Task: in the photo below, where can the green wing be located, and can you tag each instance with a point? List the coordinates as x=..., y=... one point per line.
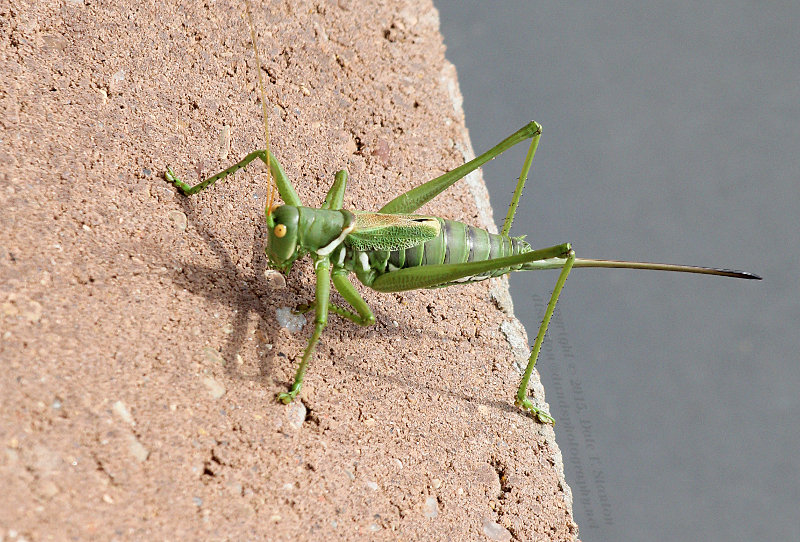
x=378, y=231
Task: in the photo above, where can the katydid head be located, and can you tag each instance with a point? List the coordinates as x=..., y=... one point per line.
x=282, y=247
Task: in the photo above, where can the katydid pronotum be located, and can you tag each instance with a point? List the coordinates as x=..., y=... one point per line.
x=394, y=250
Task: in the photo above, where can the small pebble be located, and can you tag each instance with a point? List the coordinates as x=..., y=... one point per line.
x=495, y=531
x=122, y=411
x=275, y=279
x=48, y=488
x=33, y=312
x=213, y=356
x=179, y=219
x=430, y=508
x=224, y=142
x=287, y=319
x=381, y=150
x=216, y=389
x=16, y=306
x=137, y=450
x=115, y=82
x=296, y=414
x=47, y=461
x=372, y=485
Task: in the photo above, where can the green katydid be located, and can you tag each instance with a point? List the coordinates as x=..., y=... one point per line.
x=393, y=250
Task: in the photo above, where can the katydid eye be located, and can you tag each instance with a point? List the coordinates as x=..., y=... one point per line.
x=280, y=230
x=271, y=209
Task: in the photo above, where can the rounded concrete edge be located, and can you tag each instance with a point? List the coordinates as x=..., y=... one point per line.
x=514, y=332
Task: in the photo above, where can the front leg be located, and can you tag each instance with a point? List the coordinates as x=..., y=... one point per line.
x=285, y=188
x=322, y=268
x=188, y=189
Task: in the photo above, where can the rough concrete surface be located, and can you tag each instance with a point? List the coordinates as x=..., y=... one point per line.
x=141, y=353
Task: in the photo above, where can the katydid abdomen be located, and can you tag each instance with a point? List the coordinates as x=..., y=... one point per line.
x=455, y=243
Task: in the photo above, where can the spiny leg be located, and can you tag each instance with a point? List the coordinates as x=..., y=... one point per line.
x=351, y=295
x=189, y=190
x=522, y=393
x=322, y=304
x=433, y=275
x=349, y=315
x=430, y=276
x=526, y=167
x=332, y=307
x=415, y=198
x=285, y=188
x=323, y=290
x=363, y=315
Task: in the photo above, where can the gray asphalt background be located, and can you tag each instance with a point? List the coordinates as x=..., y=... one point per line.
x=670, y=134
